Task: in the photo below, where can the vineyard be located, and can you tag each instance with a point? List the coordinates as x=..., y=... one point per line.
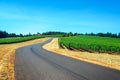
x=17, y=39
x=92, y=43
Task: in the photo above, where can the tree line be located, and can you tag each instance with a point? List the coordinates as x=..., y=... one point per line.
x=4, y=34
x=65, y=34
x=108, y=34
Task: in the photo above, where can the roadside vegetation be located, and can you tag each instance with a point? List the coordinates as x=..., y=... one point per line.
x=92, y=43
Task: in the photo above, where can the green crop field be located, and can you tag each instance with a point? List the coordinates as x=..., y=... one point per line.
x=92, y=43
x=17, y=39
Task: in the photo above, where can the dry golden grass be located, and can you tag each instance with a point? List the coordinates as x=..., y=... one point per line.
x=104, y=59
x=7, y=53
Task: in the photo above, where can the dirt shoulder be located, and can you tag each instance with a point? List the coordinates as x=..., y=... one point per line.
x=7, y=56
x=104, y=59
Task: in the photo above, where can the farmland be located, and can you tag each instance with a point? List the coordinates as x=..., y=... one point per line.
x=92, y=43
x=17, y=39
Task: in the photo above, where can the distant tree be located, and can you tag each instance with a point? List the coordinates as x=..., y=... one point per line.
x=53, y=33
x=70, y=34
x=21, y=35
x=64, y=35
x=12, y=35
x=100, y=34
x=92, y=34
x=86, y=33
x=118, y=35
x=29, y=34
x=114, y=35
x=3, y=34
x=75, y=34
x=38, y=34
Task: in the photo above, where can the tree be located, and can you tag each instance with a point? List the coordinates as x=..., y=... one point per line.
x=21, y=35
x=92, y=34
x=70, y=34
x=38, y=34
x=12, y=35
x=3, y=34
x=118, y=35
x=114, y=35
x=75, y=34
x=100, y=34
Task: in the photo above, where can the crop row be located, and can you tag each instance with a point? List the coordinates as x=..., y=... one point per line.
x=92, y=43
x=17, y=39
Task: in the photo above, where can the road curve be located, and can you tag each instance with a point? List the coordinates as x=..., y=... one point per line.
x=35, y=63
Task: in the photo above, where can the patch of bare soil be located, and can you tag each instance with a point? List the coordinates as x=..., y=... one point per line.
x=7, y=56
x=104, y=59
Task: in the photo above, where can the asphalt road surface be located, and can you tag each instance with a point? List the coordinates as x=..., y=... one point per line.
x=35, y=63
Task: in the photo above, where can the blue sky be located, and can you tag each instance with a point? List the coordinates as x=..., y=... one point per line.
x=24, y=16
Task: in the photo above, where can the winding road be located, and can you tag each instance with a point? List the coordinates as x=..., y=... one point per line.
x=35, y=63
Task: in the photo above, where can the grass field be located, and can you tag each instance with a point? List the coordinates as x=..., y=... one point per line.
x=92, y=43
x=17, y=39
